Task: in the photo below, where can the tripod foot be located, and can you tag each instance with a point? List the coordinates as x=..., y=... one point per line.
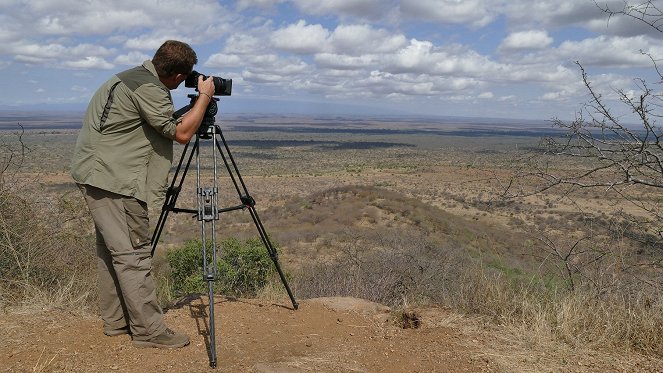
x=212, y=364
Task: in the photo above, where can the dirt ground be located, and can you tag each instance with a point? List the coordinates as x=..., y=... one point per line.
x=323, y=335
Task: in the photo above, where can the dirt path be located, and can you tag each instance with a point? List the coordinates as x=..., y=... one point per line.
x=326, y=335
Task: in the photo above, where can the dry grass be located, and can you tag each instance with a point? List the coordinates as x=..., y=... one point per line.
x=579, y=318
x=44, y=262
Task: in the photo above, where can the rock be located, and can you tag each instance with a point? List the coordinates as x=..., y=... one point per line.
x=350, y=304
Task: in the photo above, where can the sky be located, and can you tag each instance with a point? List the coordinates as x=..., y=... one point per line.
x=469, y=58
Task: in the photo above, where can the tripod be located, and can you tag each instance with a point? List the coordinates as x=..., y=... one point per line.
x=208, y=209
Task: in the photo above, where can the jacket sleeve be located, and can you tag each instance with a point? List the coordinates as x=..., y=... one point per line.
x=155, y=106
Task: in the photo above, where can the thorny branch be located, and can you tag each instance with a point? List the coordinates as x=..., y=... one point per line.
x=606, y=153
x=647, y=12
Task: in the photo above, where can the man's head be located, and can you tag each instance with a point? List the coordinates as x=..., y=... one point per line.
x=173, y=61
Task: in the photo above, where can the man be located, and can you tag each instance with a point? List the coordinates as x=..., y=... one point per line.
x=121, y=162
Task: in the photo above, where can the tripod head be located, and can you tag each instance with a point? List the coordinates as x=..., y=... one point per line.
x=208, y=118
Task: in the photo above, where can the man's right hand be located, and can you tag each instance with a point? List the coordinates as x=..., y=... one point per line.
x=192, y=119
x=206, y=86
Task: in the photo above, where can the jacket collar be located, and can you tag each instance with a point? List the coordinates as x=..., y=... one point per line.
x=150, y=67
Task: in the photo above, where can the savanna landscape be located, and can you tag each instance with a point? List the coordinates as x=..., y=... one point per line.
x=411, y=245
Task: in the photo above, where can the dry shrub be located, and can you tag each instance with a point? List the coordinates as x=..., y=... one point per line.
x=579, y=317
x=403, y=268
x=614, y=320
x=44, y=259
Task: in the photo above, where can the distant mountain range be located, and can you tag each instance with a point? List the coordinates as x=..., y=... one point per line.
x=267, y=107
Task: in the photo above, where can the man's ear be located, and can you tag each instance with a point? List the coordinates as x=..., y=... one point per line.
x=173, y=81
x=180, y=77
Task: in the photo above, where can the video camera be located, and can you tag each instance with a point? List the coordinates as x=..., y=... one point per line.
x=222, y=87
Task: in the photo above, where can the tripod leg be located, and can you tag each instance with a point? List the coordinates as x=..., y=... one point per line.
x=212, y=333
x=249, y=203
x=273, y=254
x=208, y=214
x=171, y=194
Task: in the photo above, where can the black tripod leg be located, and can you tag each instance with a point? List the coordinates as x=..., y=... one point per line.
x=207, y=216
x=171, y=195
x=212, y=333
x=273, y=254
x=249, y=203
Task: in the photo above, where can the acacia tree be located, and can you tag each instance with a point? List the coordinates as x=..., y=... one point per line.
x=608, y=151
x=618, y=156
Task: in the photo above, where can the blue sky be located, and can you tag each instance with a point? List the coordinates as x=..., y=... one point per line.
x=483, y=58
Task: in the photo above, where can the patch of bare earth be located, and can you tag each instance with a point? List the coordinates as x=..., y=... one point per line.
x=323, y=335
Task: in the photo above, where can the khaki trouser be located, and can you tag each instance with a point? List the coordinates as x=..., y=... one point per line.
x=126, y=288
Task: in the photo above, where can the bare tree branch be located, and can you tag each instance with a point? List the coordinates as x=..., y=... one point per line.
x=647, y=12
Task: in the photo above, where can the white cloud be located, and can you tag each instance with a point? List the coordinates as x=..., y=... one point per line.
x=61, y=17
x=476, y=13
x=352, y=39
x=550, y=13
x=131, y=58
x=152, y=41
x=224, y=60
x=424, y=58
x=58, y=55
x=418, y=56
x=345, y=62
x=359, y=8
x=300, y=38
x=89, y=63
x=245, y=44
x=272, y=68
x=264, y=4
x=77, y=88
x=506, y=98
x=533, y=39
x=608, y=51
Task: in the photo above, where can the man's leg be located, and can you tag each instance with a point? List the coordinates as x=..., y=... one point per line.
x=111, y=303
x=123, y=224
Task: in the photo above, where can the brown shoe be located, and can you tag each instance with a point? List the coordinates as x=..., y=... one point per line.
x=167, y=339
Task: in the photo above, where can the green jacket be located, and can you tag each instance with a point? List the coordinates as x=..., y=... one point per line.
x=131, y=152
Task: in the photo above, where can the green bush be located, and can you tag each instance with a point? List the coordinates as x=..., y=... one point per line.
x=243, y=268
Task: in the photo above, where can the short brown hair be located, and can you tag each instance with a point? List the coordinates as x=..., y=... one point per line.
x=174, y=57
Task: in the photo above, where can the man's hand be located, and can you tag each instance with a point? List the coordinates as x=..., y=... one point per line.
x=192, y=119
x=206, y=87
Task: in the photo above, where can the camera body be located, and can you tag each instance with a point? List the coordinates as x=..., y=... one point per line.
x=222, y=87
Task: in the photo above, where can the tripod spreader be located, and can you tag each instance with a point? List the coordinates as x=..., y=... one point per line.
x=248, y=201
